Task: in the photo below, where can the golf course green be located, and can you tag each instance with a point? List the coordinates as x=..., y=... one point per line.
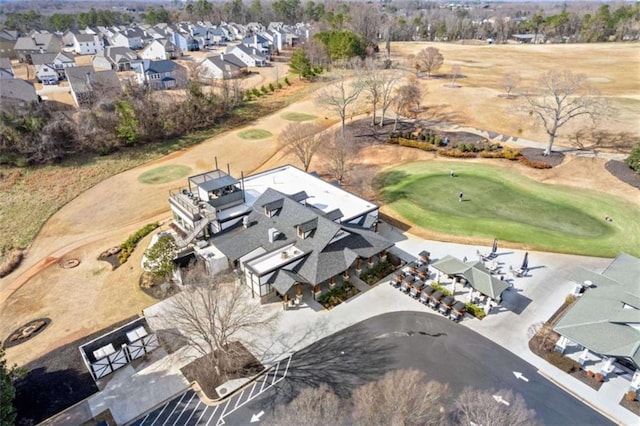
x=500, y=204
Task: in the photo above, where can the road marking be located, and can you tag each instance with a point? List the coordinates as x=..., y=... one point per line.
x=212, y=414
x=239, y=399
x=256, y=417
x=252, y=389
x=145, y=419
x=520, y=376
x=224, y=410
x=201, y=415
x=193, y=411
x=184, y=408
x=159, y=414
x=174, y=409
x=500, y=400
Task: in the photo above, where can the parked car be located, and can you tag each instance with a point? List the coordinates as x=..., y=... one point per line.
x=425, y=296
x=49, y=81
x=416, y=288
x=445, y=306
x=457, y=311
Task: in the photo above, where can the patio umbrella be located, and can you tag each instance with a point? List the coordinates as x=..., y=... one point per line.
x=495, y=246
x=525, y=262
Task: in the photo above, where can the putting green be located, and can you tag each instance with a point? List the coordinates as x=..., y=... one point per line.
x=164, y=174
x=298, y=116
x=511, y=207
x=254, y=134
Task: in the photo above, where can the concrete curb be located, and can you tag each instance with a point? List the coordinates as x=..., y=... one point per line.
x=580, y=398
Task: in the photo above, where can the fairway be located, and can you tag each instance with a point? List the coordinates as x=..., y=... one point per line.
x=510, y=207
x=164, y=174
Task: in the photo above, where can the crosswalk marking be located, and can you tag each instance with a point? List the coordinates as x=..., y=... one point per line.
x=174, y=409
x=193, y=411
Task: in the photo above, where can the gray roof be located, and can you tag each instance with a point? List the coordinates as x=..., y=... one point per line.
x=213, y=180
x=158, y=67
x=119, y=54
x=86, y=79
x=5, y=65
x=475, y=273
x=35, y=42
x=49, y=58
x=17, y=90
x=84, y=37
x=330, y=248
x=601, y=320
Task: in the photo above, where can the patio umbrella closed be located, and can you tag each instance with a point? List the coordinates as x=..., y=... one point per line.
x=525, y=262
x=495, y=246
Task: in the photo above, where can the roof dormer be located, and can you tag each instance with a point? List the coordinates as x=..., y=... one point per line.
x=305, y=229
x=273, y=208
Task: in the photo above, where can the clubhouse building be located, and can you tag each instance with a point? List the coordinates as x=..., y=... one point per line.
x=287, y=233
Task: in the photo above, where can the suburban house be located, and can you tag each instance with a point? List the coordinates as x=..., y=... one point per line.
x=88, y=86
x=37, y=43
x=259, y=43
x=6, y=70
x=50, y=67
x=250, y=56
x=130, y=38
x=605, y=319
x=285, y=231
x=160, y=75
x=116, y=58
x=8, y=40
x=87, y=44
x=160, y=49
x=223, y=66
x=17, y=92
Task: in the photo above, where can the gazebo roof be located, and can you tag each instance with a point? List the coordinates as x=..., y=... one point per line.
x=475, y=273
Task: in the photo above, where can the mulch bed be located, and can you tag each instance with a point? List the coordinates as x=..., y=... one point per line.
x=536, y=154
x=56, y=381
x=589, y=381
x=244, y=365
x=39, y=326
x=158, y=289
x=623, y=172
x=633, y=406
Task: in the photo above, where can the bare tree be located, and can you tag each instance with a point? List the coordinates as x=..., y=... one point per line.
x=401, y=397
x=313, y=407
x=366, y=22
x=490, y=408
x=510, y=82
x=213, y=312
x=387, y=93
x=340, y=156
x=378, y=84
x=302, y=140
x=428, y=60
x=361, y=181
x=455, y=73
x=561, y=96
x=407, y=101
x=340, y=96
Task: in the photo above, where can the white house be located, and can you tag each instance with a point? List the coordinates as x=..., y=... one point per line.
x=160, y=49
x=250, y=56
x=116, y=58
x=50, y=67
x=131, y=38
x=87, y=44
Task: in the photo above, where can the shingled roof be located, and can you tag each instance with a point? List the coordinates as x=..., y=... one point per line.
x=330, y=248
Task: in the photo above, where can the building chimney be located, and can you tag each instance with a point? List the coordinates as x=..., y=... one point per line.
x=273, y=234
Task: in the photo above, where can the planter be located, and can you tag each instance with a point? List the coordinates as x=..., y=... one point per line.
x=599, y=378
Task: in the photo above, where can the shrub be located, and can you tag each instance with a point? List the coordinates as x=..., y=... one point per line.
x=456, y=153
x=271, y=87
x=534, y=164
x=440, y=288
x=279, y=85
x=130, y=243
x=255, y=92
x=562, y=362
x=375, y=274
x=569, y=299
x=475, y=310
x=11, y=262
x=491, y=154
x=510, y=153
x=287, y=82
x=599, y=378
x=633, y=160
x=337, y=295
x=264, y=90
x=631, y=395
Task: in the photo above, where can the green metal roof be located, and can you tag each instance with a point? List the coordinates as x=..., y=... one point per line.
x=475, y=273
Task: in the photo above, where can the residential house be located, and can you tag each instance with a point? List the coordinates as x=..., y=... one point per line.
x=6, y=70
x=8, y=40
x=285, y=231
x=37, y=43
x=251, y=57
x=604, y=321
x=223, y=66
x=88, y=86
x=259, y=43
x=50, y=67
x=130, y=38
x=17, y=92
x=160, y=75
x=116, y=58
x=160, y=49
x=87, y=44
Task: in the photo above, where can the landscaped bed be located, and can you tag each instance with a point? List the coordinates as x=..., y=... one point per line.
x=377, y=272
x=631, y=405
x=243, y=365
x=506, y=205
x=337, y=295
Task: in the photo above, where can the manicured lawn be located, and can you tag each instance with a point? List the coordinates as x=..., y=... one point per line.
x=164, y=174
x=298, y=116
x=511, y=207
x=254, y=134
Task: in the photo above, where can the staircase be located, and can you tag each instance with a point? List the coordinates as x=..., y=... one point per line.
x=182, y=242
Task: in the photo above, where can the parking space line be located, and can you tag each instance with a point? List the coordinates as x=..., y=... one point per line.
x=144, y=420
x=224, y=410
x=263, y=383
x=203, y=412
x=252, y=389
x=174, y=409
x=239, y=398
x=160, y=413
x=186, y=406
x=193, y=412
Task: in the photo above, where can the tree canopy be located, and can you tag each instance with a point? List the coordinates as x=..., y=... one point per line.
x=342, y=44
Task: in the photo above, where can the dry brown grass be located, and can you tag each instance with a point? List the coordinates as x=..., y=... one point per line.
x=612, y=68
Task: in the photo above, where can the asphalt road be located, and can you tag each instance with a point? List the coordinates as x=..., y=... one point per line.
x=445, y=351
